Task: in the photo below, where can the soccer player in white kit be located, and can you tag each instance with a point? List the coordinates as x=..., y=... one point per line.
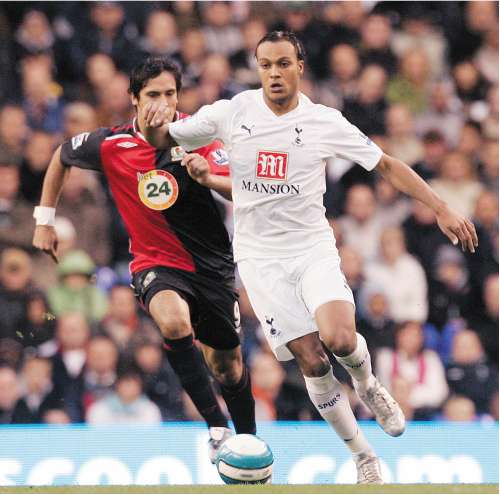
x=278, y=143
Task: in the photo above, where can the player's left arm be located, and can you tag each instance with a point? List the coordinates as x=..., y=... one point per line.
x=199, y=169
x=454, y=225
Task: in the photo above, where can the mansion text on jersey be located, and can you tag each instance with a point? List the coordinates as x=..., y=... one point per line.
x=292, y=189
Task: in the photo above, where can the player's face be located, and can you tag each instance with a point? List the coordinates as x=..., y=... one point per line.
x=279, y=71
x=161, y=89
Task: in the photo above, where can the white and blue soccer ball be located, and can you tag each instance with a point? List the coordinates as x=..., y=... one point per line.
x=245, y=459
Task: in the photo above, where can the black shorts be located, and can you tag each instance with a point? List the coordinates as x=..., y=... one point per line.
x=213, y=304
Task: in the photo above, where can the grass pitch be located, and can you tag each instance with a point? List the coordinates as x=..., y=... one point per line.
x=389, y=488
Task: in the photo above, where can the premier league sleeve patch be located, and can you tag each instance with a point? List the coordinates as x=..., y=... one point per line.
x=157, y=189
x=177, y=153
x=220, y=157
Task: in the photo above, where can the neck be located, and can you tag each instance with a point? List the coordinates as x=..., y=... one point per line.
x=284, y=106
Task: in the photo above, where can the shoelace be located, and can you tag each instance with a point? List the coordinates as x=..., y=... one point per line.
x=369, y=472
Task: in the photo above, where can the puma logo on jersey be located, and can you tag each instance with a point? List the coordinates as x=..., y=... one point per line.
x=272, y=165
x=126, y=144
x=248, y=129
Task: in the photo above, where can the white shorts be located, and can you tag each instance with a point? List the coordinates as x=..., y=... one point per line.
x=286, y=292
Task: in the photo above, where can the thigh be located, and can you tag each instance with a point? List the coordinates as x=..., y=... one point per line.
x=273, y=295
x=322, y=281
x=168, y=305
x=218, y=323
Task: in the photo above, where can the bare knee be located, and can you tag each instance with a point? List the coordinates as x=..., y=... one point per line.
x=173, y=326
x=341, y=340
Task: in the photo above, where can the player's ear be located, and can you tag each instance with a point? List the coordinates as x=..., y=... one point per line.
x=134, y=99
x=301, y=67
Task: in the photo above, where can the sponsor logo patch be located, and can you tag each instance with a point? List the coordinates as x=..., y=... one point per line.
x=220, y=157
x=272, y=165
x=157, y=189
x=78, y=140
x=148, y=279
x=126, y=144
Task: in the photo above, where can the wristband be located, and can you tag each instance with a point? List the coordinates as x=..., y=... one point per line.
x=44, y=215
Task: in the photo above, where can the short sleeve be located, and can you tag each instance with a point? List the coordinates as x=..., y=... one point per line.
x=217, y=158
x=206, y=125
x=341, y=138
x=84, y=150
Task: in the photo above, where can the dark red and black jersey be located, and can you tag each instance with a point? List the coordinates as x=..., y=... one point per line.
x=171, y=219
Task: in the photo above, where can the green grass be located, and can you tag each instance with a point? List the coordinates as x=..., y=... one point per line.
x=389, y=488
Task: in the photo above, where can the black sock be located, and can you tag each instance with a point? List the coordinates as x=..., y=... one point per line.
x=241, y=404
x=188, y=364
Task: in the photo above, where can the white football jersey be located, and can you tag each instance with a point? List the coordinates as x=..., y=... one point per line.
x=277, y=168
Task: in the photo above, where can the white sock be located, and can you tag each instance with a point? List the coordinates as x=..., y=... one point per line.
x=331, y=401
x=359, y=365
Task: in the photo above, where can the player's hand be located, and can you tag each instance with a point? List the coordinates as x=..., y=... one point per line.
x=157, y=114
x=197, y=167
x=457, y=228
x=45, y=239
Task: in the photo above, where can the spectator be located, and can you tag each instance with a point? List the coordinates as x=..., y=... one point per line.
x=78, y=117
x=376, y=34
x=160, y=36
x=39, y=149
x=420, y=368
x=221, y=35
x=341, y=83
x=375, y=323
x=100, y=370
x=9, y=393
x=14, y=211
x=191, y=56
x=443, y=113
x=459, y=408
x=126, y=405
x=402, y=142
x=471, y=87
x=449, y=289
x=110, y=34
x=402, y=277
x=456, y=183
x=123, y=323
x=393, y=208
x=485, y=323
x=56, y=417
x=470, y=373
x=37, y=392
x=42, y=95
x=243, y=62
x=367, y=109
x=160, y=382
x=360, y=227
x=486, y=213
x=100, y=70
x=75, y=291
x=15, y=287
x=410, y=87
x=11, y=353
x=73, y=334
x=471, y=141
x=114, y=105
x=267, y=379
x=352, y=267
x=83, y=204
x=39, y=325
x=434, y=150
x=13, y=131
x=489, y=125
x=489, y=165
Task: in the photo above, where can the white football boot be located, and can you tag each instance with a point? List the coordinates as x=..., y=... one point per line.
x=386, y=410
x=217, y=436
x=368, y=469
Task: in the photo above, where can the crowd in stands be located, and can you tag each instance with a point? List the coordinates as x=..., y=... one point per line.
x=419, y=78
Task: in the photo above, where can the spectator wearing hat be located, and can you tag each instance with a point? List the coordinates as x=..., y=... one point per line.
x=75, y=290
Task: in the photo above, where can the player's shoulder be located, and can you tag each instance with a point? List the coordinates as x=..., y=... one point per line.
x=325, y=112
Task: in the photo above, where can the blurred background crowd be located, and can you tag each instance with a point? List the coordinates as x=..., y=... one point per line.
x=419, y=78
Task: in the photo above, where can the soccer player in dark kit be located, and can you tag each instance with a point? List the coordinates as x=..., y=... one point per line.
x=182, y=268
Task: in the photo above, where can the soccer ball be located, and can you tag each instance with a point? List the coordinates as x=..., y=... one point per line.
x=245, y=459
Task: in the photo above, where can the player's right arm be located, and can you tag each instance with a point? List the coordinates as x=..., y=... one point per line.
x=45, y=237
x=82, y=151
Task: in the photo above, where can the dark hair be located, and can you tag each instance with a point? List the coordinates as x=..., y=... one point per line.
x=291, y=37
x=149, y=69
